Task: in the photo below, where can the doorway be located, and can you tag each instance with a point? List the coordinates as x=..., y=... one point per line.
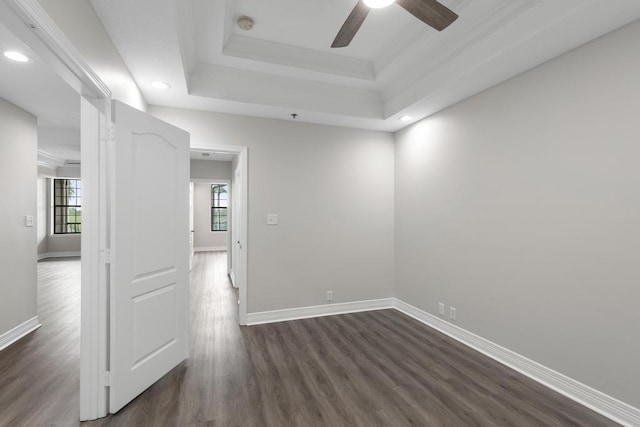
x=40, y=304
x=220, y=192
x=60, y=89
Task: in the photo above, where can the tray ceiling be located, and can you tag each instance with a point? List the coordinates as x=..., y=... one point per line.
x=395, y=65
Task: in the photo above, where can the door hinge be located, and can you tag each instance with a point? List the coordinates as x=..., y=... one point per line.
x=105, y=256
x=108, y=133
x=108, y=379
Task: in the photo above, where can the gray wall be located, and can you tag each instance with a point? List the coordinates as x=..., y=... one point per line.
x=203, y=237
x=333, y=190
x=520, y=208
x=210, y=169
x=18, y=175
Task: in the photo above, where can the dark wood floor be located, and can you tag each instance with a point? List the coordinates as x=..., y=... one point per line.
x=40, y=374
x=365, y=369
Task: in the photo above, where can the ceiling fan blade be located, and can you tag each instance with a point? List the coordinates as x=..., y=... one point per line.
x=351, y=25
x=430, y=12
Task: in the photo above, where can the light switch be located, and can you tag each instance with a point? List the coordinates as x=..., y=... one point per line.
x=28, y=221
x=272, y=219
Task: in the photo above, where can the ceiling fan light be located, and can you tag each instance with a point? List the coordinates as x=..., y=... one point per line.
x=378, y=4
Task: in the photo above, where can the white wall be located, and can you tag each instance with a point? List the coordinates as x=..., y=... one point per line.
x=18, y=154
x=520, y=207
x=203, y=237
x=333, y=190
x=79, y=22
x=59, y=142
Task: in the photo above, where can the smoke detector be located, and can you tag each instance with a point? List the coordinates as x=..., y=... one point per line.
x=245, y=23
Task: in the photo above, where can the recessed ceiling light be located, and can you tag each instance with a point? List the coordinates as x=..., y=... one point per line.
x=160, y=85
x=17, y=56
x=405, y=118
x=378, y=4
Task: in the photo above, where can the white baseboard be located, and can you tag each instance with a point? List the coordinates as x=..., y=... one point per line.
x=58, y=255
x=606, y=405
x=210, y=249
x=18, y=332
x=318, y=311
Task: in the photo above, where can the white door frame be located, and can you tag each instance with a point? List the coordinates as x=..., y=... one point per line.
x=28, y=20
x=243, y=163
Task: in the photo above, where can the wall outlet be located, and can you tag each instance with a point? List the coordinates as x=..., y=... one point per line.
x=452, y=313
x=272, y=219
x=329, y=295
x=441, y=309
x=28, y=221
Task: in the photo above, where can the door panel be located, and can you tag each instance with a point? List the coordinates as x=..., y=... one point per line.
x=150, y=243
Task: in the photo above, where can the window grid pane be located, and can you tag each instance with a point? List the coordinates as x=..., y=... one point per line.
x=67, y=209
x=219, y=204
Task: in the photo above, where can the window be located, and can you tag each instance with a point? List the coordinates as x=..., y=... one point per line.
x=219, y=199
x=67, y=206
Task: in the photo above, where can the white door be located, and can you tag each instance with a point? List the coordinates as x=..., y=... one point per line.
x=191, y=229
x=150, y=246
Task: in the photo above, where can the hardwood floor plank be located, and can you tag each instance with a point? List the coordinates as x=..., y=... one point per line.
x=378, y=368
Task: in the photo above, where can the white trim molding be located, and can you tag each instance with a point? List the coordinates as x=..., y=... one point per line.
x=210, y=249
x=18, y=332
x=46, y=255
x=232, y=277
x=595, y=400
x=329, y=309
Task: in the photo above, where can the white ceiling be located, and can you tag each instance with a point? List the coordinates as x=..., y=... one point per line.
x=394, y=66
x=36, y=88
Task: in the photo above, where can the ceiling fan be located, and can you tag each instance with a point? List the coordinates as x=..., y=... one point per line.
x=430, y=12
